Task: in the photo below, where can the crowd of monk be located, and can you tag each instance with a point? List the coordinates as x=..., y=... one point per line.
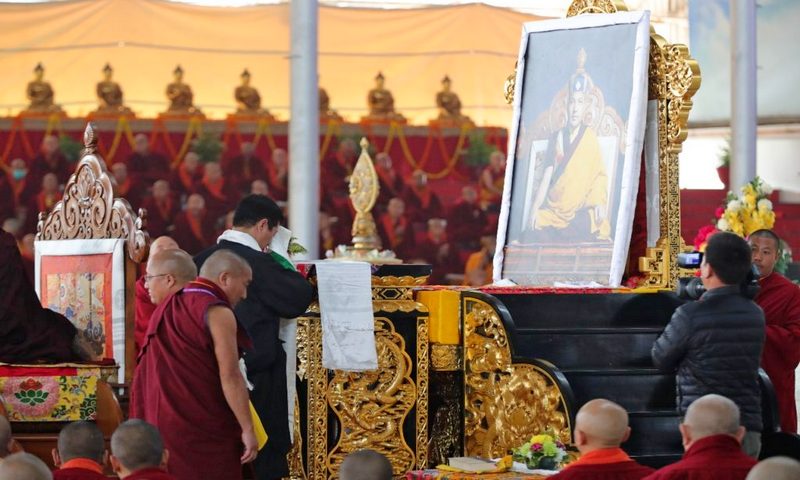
x=193, y=202
x=710, y=431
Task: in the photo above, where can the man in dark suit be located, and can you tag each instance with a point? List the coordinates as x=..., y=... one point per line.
x=277, y=291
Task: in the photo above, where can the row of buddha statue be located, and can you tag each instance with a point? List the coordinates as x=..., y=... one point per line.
x=248, y=101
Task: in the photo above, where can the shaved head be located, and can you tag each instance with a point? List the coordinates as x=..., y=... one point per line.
x=365, y=465
x=24, y=466
x=162, y=243
x=175, y=262
x=712, y=415
x=775, y=468
x=5, y=436
x=230, y=272
x=602, y=423
x=764, y=233
x=81, y=440
x=137, y=444
x=224, y=261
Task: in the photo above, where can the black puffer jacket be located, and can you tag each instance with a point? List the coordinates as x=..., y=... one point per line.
x=715, y=345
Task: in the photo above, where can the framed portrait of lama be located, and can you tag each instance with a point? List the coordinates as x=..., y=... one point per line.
x=84, y=280
x=575, y=150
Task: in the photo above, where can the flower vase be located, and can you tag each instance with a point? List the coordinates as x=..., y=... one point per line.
x=724, y=174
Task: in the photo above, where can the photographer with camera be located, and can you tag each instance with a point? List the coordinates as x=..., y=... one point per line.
x=715, y=343
x=780, y=300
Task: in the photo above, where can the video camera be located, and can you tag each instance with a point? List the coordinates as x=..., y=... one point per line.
x=692, y=288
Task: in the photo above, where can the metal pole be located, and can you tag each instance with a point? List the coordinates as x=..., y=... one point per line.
x=304, y=128
x=743, y=92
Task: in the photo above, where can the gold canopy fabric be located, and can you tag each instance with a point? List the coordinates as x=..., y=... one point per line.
x=476, y=45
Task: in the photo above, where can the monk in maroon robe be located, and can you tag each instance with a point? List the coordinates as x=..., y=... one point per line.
x=780, y=300
x=148, y=166
x=466, y=220
x=391, y=184
x=29, y=333
x=81, y=452
x=421, y=201
x=128, y=186
x=51, y=160
x=491, y=183
x=220, y=194
x=335, y=170
x=244, y=168
x=138, y=453
x=194, y=228
x=437, y=250
x=145, y=305
x=396, y=231
x=188, y=382
x=162, y=208
x=277, y=176
x=44, y=201
x=184, y=179
x=712, y=440
x=601, y=427
x=22, y=183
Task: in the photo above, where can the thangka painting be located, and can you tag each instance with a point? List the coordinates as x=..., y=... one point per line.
x=575, y=151
x=84, y=281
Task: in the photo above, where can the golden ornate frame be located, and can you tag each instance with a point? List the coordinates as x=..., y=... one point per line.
x=370, y=407
x=673, y=80
x=504, y=401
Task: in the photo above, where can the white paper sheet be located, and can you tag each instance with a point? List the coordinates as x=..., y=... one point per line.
x=348, y=325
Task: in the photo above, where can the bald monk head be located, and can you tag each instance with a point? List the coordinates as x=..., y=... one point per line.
x=230, y=272
x=24, y=466
x=711, y=415
x=80, y=440
x=775, y=468
x=163, y=243
x=136, y=445
x=365, y=465
x=600, y=424
x=167, y=272
x=6, y=440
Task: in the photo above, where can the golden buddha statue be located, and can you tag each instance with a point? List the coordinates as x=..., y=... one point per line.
x=109, y=94
x=381, y=102
x=449, y=105
x=181, y=98
x=325, y=111
x=248, y=100
x=40, y=93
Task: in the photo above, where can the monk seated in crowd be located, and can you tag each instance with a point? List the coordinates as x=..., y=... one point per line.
x=601, y=427
x=190, y=200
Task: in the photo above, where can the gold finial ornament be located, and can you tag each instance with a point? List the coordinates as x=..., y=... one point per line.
x=364, y=188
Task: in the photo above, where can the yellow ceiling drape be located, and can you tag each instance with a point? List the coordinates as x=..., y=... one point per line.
x=476, y=45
